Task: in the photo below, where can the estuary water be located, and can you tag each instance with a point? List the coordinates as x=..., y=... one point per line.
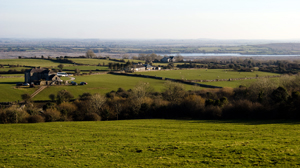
x=224, y=54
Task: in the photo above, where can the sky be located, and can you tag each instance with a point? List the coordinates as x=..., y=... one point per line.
x=150, y=19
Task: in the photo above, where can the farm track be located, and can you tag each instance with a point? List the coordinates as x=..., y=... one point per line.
x=38, y=91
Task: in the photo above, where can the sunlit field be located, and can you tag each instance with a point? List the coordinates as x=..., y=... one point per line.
x=151, y=143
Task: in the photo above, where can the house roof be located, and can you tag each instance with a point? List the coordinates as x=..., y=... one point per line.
x=52, y=76
x=39, y=70
x=140, y=66
x=148, y=66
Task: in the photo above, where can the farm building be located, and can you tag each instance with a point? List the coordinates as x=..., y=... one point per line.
x=149, y=67
x=168, y=59
x=41, y=76
x=144, y=67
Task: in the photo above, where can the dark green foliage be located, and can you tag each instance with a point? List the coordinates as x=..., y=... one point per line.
x=279, y=95
x=52, y=97
x=218, y=102
x=85, y=96
x=77, y=71
x=170, y=65
x=60, y=66
x=49, y=105
x=26, y=97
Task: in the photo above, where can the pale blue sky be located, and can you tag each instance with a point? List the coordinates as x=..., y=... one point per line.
x=151, y=19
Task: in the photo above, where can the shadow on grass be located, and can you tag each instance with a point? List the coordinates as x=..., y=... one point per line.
x=248, y=122
x=9, y=83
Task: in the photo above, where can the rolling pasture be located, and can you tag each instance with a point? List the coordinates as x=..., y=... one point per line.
x=86, y=68
x=102, y=84
x=205, y=74
x=9, y=91
x=93, y=61
x=106, y=82
x=151, y=143
x=31, y=62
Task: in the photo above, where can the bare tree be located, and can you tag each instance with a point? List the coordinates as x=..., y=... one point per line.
x=90, y=54
x=95, y=103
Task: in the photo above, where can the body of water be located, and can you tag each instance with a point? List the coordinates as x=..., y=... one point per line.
x=225, y=54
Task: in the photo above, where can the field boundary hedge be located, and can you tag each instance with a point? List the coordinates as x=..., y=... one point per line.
x=161, y=78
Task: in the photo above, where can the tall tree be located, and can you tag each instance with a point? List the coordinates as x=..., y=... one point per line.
x=60, y=66
x=90, y=54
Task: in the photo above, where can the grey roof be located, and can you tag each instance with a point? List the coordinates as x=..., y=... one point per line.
x=148, y=66
x=140, y=66
x=39, y=70
x=52, y=76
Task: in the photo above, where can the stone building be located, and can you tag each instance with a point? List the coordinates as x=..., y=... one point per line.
x=41, y=76
x=168, y=59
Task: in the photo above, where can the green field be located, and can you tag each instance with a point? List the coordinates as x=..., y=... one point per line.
x=30, y=62
x=102, y=84
x=86, y=68
x=92, y=61
x=151, y=143
x=9, y=92
x=204, y=74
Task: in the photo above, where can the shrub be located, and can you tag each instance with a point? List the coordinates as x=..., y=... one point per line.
x=49, y=105
x=13, y=115
x=63, y=95
x=67, y=108
x=92, y=117
x=213, y=112
x=85, y=96
x=174, y=92
x=52, y=115
x=245, y=109
x=35, y=119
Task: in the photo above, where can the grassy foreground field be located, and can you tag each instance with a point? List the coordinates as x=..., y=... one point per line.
x=151, y=143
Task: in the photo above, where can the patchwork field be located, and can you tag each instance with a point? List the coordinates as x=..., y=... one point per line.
x=151, y=143
x=86, y=68
x=94, y=61
x=31, y=62
x=102, y=84
x=9, y=91
x=107, y=82
x=202, y=74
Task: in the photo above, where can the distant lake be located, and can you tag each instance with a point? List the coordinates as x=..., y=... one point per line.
x=224, y=54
